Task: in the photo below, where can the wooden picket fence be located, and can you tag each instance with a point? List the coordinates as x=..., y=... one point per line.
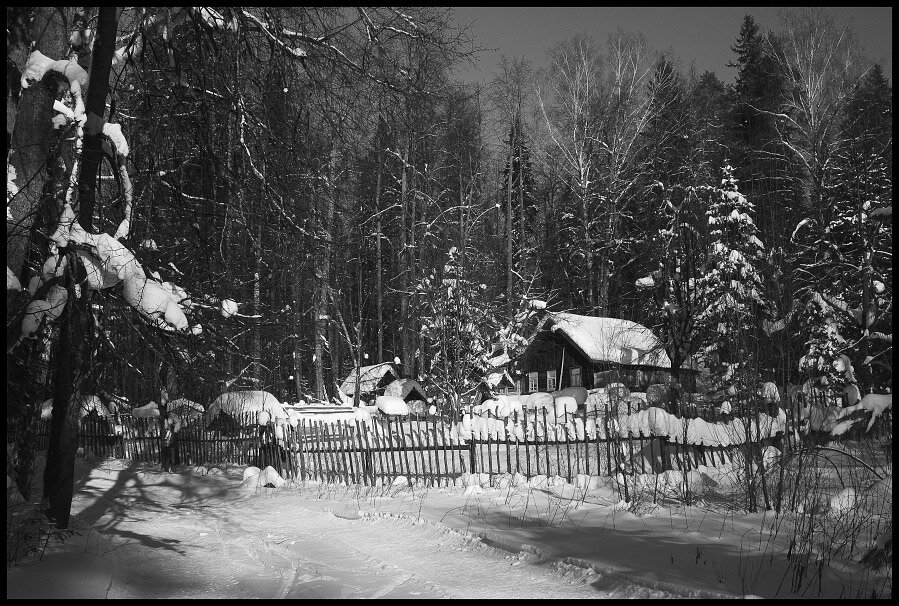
x=422, y=450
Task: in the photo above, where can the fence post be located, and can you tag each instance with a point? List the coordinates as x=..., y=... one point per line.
x=471, y=454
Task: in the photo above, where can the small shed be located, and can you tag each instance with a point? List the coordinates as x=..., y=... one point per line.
x=239, y=404
x=372, y=380
x=407, y=389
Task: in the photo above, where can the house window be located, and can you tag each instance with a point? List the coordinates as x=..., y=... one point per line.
x=532, y=381
x=550, y=380
x=575, y=377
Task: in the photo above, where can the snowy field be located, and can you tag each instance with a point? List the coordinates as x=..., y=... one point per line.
x=143, y=533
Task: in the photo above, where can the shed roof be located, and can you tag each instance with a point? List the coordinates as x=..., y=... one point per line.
x=610, y=339
x=407, y=389
x=495, y=379
x=370, y=378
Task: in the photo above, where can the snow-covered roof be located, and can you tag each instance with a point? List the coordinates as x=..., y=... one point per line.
x=244, y=402
x=611, y=339
x=495, y=378
x=499, y=361
x=369, y=378
x=403, y=388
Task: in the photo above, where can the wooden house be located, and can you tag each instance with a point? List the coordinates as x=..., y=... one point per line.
x=568, y=350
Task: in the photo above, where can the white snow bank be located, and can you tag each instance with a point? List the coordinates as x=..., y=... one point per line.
x=147, y=411
x=578, y=393
x=538, y=399
x=650, y=422
x=255, y=478
x=332, y=415
x=392, y=405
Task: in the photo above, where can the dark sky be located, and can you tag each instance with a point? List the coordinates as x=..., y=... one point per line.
x=703, y=34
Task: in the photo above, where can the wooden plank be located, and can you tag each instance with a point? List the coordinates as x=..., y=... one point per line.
x=312, y=442
x=390, y=444
x=412, y=440
x=608, y=440
x=301, y=448
x=433, y=428
x=364, y=464
x=336, y=442
x=332, y=463
x=568, y=445
x=347, y=439
x=381, y=457
x=587, y=445
x=546, y=443
x=453, y=453
x=527, y=456
x=347, y=451
x=492, y=448
x=401, y=439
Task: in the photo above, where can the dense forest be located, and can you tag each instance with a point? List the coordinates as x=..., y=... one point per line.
x=298, y=191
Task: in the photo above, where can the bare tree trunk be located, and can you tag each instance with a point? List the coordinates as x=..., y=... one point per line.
x=257, y=298
x=405, y=270
x=588, y=249
x=523, y=262
x=379, y=290
x=297, y=320
x=323, y=275
x=510, y=274
x=32, y=134
x=75, y=330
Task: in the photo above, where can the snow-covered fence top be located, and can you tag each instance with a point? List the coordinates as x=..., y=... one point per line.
x=563, y=422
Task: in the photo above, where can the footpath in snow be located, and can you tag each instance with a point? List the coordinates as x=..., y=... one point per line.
x=142, y=533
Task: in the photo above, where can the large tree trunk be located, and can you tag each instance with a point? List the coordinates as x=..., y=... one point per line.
x=405, y=256
x=31, y=133
x=323, y=275
x=379, y=290
x=510, y=269
x=75, y=353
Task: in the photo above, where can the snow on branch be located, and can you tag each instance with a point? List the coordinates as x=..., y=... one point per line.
x=39, y=64
x=883, y=214
x=296, y=52
x=118, y=143
x=12, y=282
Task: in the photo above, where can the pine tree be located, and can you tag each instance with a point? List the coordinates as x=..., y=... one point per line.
x=854, y=258
x=824, y=345
x=731, y=287
x=457, y=324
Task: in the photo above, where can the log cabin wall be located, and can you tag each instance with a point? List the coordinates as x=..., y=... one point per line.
x=545, y=354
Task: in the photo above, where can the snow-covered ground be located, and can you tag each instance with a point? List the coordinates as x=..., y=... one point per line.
x=143, y=533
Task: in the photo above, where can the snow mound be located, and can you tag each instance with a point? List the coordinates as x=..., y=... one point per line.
x=537, y=400
x=392, y=405
x=255, y=478
x=843, y=501
x=578, y=393
x=147, y=411
x=565, y=405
